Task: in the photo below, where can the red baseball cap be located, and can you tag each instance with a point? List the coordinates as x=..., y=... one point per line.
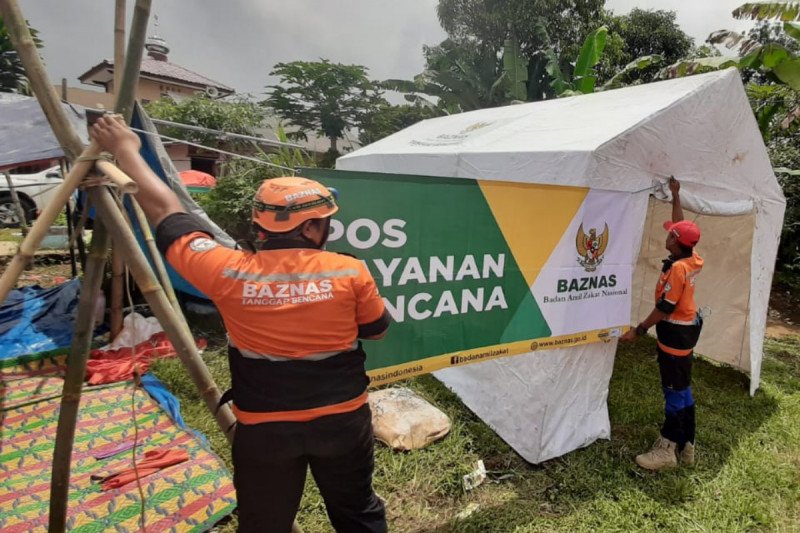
x=686, y=231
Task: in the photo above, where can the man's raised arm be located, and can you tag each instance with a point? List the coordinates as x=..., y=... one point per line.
x=156, y=198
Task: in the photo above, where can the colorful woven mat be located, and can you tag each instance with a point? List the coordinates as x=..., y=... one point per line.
x=191, y=496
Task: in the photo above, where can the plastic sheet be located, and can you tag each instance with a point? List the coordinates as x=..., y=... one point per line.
x=35, y=320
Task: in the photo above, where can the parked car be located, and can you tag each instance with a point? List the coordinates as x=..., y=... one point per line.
x=34, y=191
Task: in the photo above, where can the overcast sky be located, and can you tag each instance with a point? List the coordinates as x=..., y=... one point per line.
x=236, y=42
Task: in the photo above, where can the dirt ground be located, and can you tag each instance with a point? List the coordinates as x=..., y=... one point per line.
x=784, y=313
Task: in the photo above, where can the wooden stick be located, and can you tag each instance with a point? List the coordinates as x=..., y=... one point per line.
x=73, y=381
x=117, y=177
x=176, y=331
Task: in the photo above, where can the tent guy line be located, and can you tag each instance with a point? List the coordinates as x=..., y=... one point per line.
x=196, y=145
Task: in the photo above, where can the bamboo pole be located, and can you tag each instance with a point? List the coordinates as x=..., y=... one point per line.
x=48, y=98
x=39, y=229
x=73, y=263
x=126, y=95
x=158, y=261
x=115, y=315
x=176, y=331
x=119, y=43
x=73, y=381
x=117, y=177
x=117, y=265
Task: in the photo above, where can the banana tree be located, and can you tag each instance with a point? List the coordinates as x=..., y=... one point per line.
x=461, y=76
x=775, y=62
x=583, y=79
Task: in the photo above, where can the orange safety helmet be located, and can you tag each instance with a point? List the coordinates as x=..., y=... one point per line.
x=282, y=204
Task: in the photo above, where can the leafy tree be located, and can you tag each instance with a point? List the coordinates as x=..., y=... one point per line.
x=12, y=73
x=232, y=116
x=491, y=22
x=388, y=119
x=546, y=32
x=459, y=77
x=323, y=97
x=645, y=34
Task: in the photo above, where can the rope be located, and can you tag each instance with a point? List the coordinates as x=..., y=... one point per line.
x=196, y=145
x=225, y=135
x=137, y=382
x=99, y=157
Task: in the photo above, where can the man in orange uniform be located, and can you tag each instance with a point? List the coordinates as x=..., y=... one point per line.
x=678, y=327
x=294, y=314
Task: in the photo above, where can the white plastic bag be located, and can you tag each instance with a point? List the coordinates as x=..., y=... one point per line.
x=405, y=421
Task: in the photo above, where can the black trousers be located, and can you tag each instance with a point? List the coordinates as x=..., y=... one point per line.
x=676, y=382
x=269, y=470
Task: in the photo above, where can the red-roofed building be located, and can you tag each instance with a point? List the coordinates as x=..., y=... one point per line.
x=157, y=77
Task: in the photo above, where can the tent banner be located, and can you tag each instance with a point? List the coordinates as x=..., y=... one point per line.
x=474, y=270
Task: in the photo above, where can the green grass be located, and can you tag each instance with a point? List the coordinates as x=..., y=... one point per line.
x=747, y=477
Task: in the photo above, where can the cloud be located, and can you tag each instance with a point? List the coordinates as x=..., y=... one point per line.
x=237, y=42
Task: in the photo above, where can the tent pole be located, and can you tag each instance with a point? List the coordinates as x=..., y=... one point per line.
x=117, y=265
x=73, y=381
x=176, y=330
x=119, y=42
x=158, y=261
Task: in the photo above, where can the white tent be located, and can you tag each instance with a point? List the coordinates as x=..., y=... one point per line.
x=699, y=129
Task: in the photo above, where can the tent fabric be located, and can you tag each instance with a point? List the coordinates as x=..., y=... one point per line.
x=721, y=291
x=197, y=181
x=35, y=320
x=25, y=134
x=699, y=129
x=157, y=158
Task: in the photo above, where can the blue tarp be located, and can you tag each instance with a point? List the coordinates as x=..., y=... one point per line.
x=35, y=320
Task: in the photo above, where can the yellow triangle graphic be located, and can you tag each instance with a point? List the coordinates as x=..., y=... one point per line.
x=532, y=218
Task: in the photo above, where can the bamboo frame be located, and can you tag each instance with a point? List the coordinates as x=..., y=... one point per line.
x=110, y=221
x=176, y=330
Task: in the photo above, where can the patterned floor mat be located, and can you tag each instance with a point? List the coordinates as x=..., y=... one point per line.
x=191, y=496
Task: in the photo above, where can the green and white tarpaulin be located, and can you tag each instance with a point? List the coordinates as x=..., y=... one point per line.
x=473, y=270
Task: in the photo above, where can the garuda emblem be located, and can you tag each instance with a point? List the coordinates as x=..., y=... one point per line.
x=591, y=247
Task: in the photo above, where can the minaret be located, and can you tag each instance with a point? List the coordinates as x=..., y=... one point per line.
x=156, y=46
